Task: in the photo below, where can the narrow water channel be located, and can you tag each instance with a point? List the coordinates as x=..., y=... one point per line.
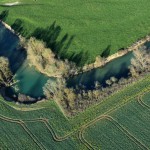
x=118, y=68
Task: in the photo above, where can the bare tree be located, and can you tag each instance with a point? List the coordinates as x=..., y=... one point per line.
x=44, y=60
x=6, y=76
x=108, y=82
x=54, y=89
x=140, y=63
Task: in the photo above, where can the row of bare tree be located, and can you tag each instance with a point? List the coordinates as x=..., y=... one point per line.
x=45, y=61
x=76, y=100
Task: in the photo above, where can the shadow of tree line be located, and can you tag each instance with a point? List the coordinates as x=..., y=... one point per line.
x=51, y=35
x=58, y=43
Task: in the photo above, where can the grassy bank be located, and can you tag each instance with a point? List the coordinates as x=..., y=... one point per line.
x=94, y=24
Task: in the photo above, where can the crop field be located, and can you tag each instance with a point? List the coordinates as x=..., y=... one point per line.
x=126, y=128
x=145, y=100
x=15, y=135
x=93, y=25
x=43, y=126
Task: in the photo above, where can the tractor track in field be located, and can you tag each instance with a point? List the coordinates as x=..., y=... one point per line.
x=141, y=101
x=127, y=133
x=81, y=137
x=43, y=120
x=80, y=130
x=22, y=124
x=118, y=125
x=50, y=129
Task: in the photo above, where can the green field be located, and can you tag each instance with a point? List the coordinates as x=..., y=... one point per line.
x=94, y=24
x=13, y=135
x=146, y=100
x=43, y=126
x=119, y=122
x=126, y=128
x=106, y=136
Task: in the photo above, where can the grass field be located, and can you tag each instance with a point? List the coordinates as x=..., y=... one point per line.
x=94, y=24
x=43, y=126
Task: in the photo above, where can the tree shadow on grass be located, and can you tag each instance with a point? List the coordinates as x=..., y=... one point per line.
x=4, y=14
x=79, y=58
x=106, y=52
x=19, y=27
x=52, y=36
x=59, y=44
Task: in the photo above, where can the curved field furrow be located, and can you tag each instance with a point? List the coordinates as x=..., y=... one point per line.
x=22, y=124
x=84, y=141
x=81, y=129
x=49, y=127
x=141, y=101
x=34, y=137
x=118, y=125
x=81, y=132
x=126, y=132
x=126, y=101
x=57, y=138
x=43, y=120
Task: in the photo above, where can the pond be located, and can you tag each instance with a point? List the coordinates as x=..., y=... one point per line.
x=31, y=81
x=118, y=68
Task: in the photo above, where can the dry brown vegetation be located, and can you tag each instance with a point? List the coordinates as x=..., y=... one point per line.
x=6, y=76
x=44, y=60
x=140, y=63
x=58, y=91
x=76, y=100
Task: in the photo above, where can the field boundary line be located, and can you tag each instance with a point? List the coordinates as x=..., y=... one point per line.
x=141, y=101
x=126, y=132
x=22, y=124
x=57, y=138
x=81, y=132
x=51, y=130
x=125, y=102
x=118, y=125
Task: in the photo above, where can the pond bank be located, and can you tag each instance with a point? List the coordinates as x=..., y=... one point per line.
x=89, y=67
x=120, y=53
x=32, y=81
